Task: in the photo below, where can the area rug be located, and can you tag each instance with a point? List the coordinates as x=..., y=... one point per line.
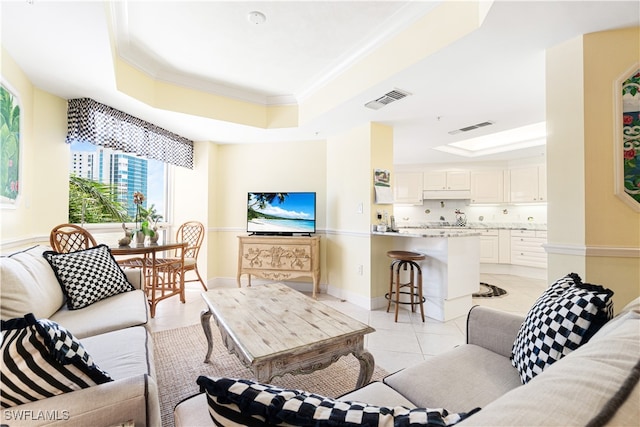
x=489, y=291
x=179, y=356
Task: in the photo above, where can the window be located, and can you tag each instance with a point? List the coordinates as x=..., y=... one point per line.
x=126, y=173
x=114, y=155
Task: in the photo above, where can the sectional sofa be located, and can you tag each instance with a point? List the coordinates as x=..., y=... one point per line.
x=112, y=331
x=593, y=385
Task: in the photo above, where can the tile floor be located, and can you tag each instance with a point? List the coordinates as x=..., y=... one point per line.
x=393, y=345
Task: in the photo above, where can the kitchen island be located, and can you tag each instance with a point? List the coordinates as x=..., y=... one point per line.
x=451, y=270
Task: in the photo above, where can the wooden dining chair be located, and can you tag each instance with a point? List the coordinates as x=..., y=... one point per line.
x=65, y=238
x=191, y=232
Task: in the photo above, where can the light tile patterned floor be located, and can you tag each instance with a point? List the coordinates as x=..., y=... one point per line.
x=393, y=345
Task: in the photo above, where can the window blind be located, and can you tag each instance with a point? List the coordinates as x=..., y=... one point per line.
x=99, y=124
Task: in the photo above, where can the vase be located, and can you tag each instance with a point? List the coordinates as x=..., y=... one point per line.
x=140, y=238
x=461, y=220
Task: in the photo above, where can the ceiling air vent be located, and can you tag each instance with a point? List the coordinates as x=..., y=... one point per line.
x=387, y=98
x=472, y=127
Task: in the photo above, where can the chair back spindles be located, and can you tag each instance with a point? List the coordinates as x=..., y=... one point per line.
x=191, y=232
x=66, y=238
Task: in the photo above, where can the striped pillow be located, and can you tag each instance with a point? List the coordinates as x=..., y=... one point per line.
x=41, y=359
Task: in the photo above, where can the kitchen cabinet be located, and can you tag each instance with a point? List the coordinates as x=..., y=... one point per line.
x=528, y=184
x=495, y=246
x=504, y=237
x=487, y=186
x=527, y=248
x=447, y=180
x=407, y=188
x=542, y=183
x=489, y=246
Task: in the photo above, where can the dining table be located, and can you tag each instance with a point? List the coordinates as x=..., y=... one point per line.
x=163, y=276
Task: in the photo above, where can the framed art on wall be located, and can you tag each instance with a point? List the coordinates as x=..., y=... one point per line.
x=382, y=187
x=9, y=146
x=627, y=141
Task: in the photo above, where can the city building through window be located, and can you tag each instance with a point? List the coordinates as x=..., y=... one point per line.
x=126, y=173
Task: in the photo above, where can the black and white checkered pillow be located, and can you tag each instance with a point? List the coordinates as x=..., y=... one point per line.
x=566, y=316
x=88, y=276
x=314, y=410
x=42, y=359
x=244, y=402
x=558, y=287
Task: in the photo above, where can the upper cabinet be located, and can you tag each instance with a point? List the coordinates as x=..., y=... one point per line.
x=447, y=180
x=487, y=186
x=542, y=183
x=479, y=184
x=407, y=188
x=528, y=184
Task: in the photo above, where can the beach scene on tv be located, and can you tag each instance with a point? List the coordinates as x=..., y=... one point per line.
x=281, y=212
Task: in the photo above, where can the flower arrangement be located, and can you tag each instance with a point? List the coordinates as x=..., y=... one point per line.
x=143, y=216
x=138, y=199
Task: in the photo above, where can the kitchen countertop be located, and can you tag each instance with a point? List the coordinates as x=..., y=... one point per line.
x=424, y=232
x=477, y=226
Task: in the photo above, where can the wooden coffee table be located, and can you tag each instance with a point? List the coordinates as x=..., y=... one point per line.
x=275, y=330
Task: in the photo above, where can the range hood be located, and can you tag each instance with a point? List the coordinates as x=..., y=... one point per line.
x=446, y=195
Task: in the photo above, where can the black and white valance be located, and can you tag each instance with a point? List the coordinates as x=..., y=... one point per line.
x=99, y=124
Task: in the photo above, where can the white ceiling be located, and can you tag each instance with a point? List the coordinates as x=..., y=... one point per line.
x=493, y=74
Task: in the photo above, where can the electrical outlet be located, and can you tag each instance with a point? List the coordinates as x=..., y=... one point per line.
x=360, y=270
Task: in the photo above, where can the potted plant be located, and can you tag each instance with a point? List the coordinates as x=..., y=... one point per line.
x=154, y=217
x=143, y=216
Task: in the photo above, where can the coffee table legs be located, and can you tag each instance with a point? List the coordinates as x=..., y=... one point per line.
x=365, y=358
x=205, y=319
x=367, y=365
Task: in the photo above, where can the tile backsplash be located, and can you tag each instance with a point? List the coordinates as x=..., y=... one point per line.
x=434, y=210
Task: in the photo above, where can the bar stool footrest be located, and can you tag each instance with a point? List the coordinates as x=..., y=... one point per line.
x=416, y=296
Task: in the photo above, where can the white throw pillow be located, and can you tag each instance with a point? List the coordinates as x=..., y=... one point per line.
x=28, y=285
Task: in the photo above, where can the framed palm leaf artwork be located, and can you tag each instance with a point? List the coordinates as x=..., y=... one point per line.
x=10, y=146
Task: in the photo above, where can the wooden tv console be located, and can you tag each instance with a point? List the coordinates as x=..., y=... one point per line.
x=279, y=258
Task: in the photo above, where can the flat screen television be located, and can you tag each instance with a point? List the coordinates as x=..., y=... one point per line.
x=281, y=214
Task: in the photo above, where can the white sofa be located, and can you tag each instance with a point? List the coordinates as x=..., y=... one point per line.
x=586, y=387
x=114, y=333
